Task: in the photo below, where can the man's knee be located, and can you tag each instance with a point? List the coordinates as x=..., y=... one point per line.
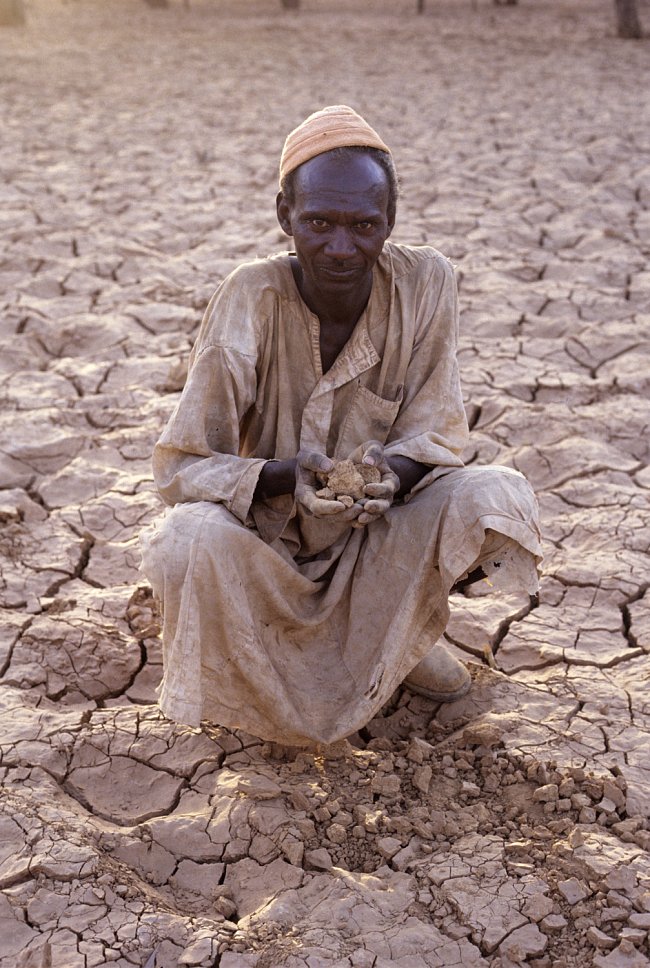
x=188, y=534
x=485, y=487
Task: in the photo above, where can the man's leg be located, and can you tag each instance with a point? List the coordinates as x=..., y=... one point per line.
x=252, y=642
x=439, y=675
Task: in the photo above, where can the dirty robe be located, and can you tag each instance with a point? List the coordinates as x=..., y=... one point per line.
x=293, y=628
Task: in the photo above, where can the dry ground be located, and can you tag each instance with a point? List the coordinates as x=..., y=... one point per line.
x=138, y=151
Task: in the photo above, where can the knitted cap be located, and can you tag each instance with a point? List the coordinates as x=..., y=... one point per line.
x=336, y=126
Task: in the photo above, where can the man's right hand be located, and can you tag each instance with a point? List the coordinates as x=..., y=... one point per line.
x=307, y=465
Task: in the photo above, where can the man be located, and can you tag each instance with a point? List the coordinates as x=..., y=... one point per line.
x=287, y=613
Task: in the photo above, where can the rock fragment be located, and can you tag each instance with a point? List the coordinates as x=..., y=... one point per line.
x=336, y=833
x=523, y=943
x=319, y=859
x=388, y=846
x=387, y=786
x=624, y=956
x=640, y=920
x=537, y=907
x=258, y=787
x=599, y=939
x=553, y=923
x=422, y=778
x=572, y=890
x=547, y=793
x=349, y=479
x=635, y=935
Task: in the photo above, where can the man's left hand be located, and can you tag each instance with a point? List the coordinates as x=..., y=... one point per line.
x=380, y=496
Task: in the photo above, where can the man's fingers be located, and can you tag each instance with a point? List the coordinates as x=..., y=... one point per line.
x=384, y=490
x=312, y=461
x=365, y=519
x=323, y=509
x=389, y=476
x=317, y=506
x=374, y=509
x=387, y=488
x=373, y=453
x=351, y=514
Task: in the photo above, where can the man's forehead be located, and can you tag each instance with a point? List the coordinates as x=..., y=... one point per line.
x=331, y=176
x=359, y=203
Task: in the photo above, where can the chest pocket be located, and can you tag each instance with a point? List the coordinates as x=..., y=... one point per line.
x=369, y=418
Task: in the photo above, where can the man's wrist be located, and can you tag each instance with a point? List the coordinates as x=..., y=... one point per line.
x=277, y=477
x=408, y=471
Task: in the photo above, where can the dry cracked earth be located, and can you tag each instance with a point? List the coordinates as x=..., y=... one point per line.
x=138, y=155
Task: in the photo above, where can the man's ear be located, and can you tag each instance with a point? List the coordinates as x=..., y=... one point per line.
x=392, y=213
x=283, y=211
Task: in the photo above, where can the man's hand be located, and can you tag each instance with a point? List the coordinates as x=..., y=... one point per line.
x=380, y=496
x=307, y=464
x=298, y=475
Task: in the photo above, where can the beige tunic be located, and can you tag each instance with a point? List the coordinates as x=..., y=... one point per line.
x=294, y=628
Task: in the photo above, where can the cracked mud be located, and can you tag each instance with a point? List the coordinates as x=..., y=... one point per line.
x=138, y=168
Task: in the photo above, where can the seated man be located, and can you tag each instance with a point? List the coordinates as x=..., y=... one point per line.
x=286, y=612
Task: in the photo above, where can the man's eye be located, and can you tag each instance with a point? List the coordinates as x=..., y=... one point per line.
x=364, y=226
x=318, y=223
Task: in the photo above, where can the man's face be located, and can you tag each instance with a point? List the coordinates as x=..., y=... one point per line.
x=339, y=222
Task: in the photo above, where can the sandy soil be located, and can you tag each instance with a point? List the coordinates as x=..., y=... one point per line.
x=138, y=156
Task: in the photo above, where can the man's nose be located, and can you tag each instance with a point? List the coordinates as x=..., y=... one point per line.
x=340, y=244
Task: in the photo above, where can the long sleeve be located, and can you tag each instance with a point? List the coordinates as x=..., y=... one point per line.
x=197, y=457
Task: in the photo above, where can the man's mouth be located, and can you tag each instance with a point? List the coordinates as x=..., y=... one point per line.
x=340, y=272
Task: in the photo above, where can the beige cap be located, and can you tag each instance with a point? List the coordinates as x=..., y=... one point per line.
x=336, y=126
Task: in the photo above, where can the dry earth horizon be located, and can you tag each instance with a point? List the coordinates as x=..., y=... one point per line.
x=138, y=154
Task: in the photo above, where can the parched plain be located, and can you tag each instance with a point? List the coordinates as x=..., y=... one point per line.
x=138, y=155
